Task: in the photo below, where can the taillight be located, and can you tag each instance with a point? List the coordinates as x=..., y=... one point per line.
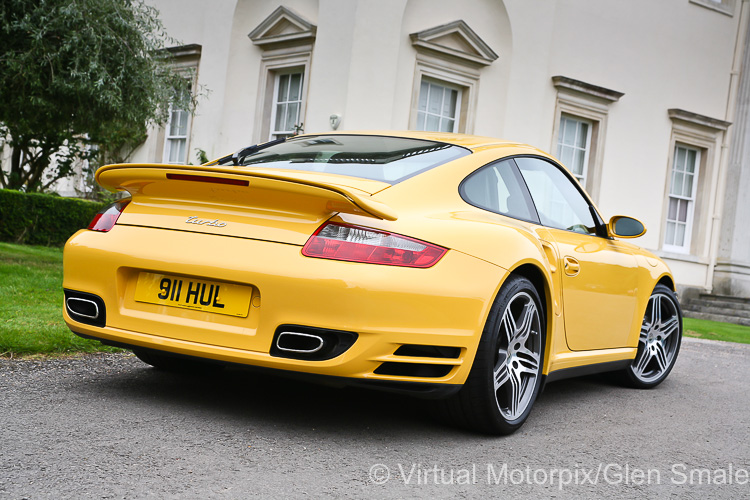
x=107, y=216
x=359, y=244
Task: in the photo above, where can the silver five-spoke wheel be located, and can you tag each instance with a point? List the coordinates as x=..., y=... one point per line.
x=518, y=356
x=506, y=374
x=659, y=341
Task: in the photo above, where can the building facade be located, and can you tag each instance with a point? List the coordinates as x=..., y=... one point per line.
x=639, y=99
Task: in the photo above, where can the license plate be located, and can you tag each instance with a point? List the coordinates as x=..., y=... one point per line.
x=191, y=293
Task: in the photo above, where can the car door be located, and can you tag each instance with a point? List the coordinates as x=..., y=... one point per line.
x=599, y=278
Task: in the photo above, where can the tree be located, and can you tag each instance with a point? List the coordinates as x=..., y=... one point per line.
x=79, y=79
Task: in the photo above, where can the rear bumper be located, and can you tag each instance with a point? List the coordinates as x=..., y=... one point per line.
x=386, y=307
x=418, y=389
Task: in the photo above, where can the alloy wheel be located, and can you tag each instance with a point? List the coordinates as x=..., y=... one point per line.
x=659, y=339
x=518, y=357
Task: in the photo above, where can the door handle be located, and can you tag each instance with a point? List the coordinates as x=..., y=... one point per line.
x=572, y=266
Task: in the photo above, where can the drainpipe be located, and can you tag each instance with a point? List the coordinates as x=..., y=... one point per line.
x=729, y=115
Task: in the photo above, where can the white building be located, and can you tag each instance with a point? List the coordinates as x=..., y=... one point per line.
x=636, y=97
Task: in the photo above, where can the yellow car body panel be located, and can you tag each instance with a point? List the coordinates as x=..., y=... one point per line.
x=260, y=247
x=340, y=295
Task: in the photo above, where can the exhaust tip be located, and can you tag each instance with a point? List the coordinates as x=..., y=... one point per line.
x=85, y=308
x=82, y=307
x=310, y=343
x=303, y=343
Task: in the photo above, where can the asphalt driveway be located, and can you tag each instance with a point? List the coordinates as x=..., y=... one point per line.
x=108, y=426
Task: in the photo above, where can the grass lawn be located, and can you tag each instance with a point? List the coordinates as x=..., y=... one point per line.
x=714, y=330
x=31, y=299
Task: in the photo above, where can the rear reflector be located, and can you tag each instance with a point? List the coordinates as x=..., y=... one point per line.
x=107, y=217
x=359, y=244
x=206, y=178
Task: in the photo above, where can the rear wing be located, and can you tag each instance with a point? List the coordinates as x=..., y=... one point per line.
x=264, y=189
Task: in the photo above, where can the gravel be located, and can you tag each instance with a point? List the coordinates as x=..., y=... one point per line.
x=108, y=426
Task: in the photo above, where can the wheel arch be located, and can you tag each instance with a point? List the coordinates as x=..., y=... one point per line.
x=667, y=281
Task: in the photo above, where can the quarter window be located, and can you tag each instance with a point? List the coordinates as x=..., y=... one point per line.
x=574, y=144
x=439, y=107
x=285, y=121
x=557, y=200
x=499, y=188
x=682, y=190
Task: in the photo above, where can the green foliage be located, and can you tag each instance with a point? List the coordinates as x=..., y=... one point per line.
x=76, y=74
x=31, y=300
x=41, y=219
x=201, y=156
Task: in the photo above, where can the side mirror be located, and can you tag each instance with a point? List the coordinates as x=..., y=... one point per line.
x=625, y=227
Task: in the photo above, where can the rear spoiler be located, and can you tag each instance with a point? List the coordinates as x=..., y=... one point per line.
x=333, y=197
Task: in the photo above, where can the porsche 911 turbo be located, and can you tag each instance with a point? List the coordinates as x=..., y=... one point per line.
x=460, y=268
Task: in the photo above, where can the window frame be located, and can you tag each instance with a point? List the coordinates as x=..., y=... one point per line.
x=585, y=102
x=168, y=138
x=601, y=228
x=705, y=134
x=273, y=133
x=444, y=85
x=690, y=213
x=450, y=75
x=187, y=64
x=586, y=149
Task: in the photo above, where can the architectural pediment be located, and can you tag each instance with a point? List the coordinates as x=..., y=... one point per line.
x=455, y=39
x=564, y=83
x=282, y=26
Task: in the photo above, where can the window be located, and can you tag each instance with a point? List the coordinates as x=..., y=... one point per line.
x=500, y=189
x=287, y=105
x=177, y=131
x=580, y=128
x=439, y=107
x=287, y=41
x=385, y=159
x=449, y=59
x=574, y=144
x=172, y=143
x=681, y=204
x=690, y=181
x=558, y=202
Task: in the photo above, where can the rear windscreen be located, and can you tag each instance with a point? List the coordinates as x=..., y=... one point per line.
x=385, y=159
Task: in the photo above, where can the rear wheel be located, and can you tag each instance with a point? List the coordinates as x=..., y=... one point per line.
x=175, y=363
x=507, y=372
x=659, y=342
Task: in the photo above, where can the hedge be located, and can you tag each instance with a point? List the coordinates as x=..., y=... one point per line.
x=42, y=219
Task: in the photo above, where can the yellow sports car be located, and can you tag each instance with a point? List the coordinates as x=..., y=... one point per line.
x=460, y=268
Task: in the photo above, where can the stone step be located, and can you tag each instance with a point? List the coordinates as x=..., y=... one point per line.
x=720, y=301
x=716, y=310
x=725, y=298
x=718, y=317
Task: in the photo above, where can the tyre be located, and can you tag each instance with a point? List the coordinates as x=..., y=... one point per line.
x=659, y=341
x=175, y=362
x=507, y=372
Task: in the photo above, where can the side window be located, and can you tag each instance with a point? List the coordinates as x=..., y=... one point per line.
x=558, y=202
x=499, y=188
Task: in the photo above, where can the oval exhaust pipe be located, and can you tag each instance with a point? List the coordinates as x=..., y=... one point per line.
x=301, y=343
x=82, y=307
